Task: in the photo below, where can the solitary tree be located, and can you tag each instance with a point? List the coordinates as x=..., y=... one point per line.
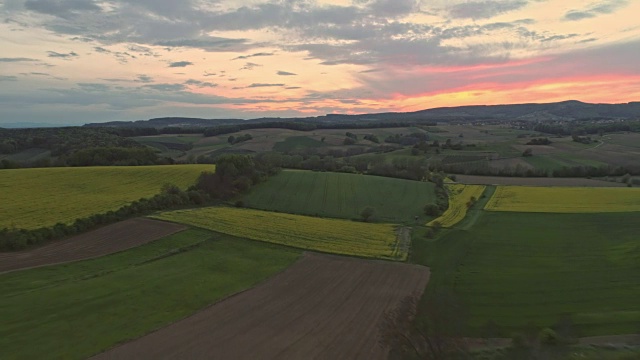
x=367, y=213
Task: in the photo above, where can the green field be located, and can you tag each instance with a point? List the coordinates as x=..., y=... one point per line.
x=341, y=195
x=560, y=160
x=42, y=197
x=518, y=269
x=327, y=235
x=79, y=309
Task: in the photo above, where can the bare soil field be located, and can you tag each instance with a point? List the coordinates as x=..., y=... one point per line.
x=322, y=307
x=498, y=180
x=103, y=241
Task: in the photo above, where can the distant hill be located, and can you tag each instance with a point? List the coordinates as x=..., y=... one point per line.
x=565, y=110
x=24, y=125
x=169, y=121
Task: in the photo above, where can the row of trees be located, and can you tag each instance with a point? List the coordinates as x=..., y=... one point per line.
x=234, y=174
x=61, y=141
x=238, y=139
x=482, y=168
x=99, y=156
x=12, y=239
x=310, y=126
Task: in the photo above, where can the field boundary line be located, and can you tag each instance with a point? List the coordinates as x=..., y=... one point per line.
x=300, y=257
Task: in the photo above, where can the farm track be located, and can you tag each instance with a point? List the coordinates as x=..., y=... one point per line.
x=103, y=241
x=322, y=307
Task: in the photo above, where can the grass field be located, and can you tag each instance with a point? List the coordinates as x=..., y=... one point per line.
x=558, y=161
x=297, y=142
x=79, y=309
x=459, y=197
x=42, y=197
x=564, y=200
x=326, y=235
x=342, y=195
x=518, y=269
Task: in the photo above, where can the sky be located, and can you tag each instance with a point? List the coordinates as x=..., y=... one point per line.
x=80, y=61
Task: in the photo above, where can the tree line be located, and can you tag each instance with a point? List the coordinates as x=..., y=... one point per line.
x=234, y=174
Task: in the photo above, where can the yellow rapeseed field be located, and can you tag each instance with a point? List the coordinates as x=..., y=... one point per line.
x=564, y=199
x=327, y=235
x=459, y=196
x=32, y=198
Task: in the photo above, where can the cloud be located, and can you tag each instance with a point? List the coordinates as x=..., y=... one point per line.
x=36, y=73
x=145, y=79
x=94, y=87
x=484, y=9
x=8, y=78
x=17, y=59
x=201, y=84
x=62, y=8
x=180, y=64
x=250, y=66
x=596, y=9
x=257, y=85
x=82, y=39
x=253, y=55
x=393, y=8
x=559, y=37
x=286, y=73
x=70, y=55
x=165, y=87
x=211, y=44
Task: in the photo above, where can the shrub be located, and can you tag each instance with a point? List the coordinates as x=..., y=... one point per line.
x=432, y=210
x=519, y=341
x=548, y=336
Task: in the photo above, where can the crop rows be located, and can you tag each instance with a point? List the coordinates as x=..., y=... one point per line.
x=34, y=198
x=341, y=195
x=326, y=235
x=564, y=200
x=459, y=197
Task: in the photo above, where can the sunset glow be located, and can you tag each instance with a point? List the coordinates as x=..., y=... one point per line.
x=71, y=62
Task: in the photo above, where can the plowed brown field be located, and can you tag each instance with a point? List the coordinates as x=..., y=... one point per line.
x=322, y=307
x=103, y=241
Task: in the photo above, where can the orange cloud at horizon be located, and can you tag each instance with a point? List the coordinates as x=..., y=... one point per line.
x=595, y=89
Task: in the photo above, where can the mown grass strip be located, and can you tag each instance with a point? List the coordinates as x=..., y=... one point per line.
x=79, y=309
x=326, y=235
x=460, y=198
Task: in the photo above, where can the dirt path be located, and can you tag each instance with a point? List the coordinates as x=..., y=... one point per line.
x=322, y=307
x=103, y=241
x=403, y=242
